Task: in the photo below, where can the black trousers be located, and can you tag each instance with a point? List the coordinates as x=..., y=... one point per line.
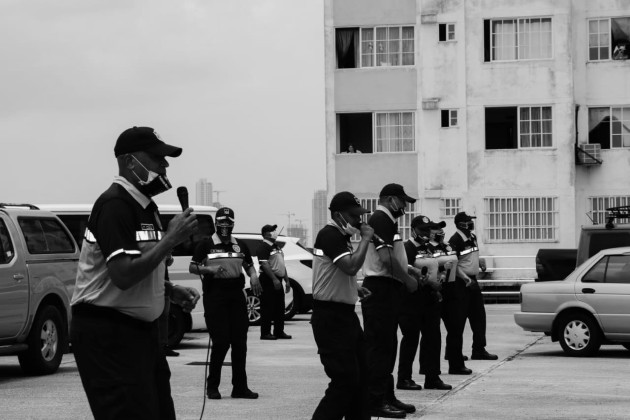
x=420, y=314
x=341, y=347
x=476, y=314
x=454, y=310
x=380, y=321
x=122, y=366
x=271, y=307
x=227, y=322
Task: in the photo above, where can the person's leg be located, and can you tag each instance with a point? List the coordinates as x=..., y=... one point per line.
x=431, y=342
x=217, y=321
x=278, y=312
x=477, y=319
x=266, y=305
x=456, y=307
x=165, y=399
x=239, y=324
x=410, y=329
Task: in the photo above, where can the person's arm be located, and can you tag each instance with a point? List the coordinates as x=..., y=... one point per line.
x=457, y=244
x=248, y=266
x=198, y=263
x=263, y=254
x=125, y=269
x=350, y=264
x=399, y=271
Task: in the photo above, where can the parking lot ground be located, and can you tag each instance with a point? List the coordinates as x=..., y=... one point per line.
x=531, y=380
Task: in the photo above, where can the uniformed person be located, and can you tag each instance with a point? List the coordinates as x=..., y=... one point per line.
x=336, y=327
x=386, y=274
x=120, y=289
x=464, y=242
x=272, y=273
x=222, y=259
x=421, y=310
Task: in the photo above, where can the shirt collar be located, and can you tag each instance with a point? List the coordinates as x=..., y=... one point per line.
x=335, y=225
x=142, y=199
x=463, y=235
x=267, y=241
x=386, y=211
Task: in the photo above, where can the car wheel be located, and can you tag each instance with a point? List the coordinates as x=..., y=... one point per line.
x=176, y=325
x=46, y=342
x=579, y=335
x=295, y=305
x=253, y=308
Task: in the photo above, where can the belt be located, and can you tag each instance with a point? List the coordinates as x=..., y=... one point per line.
x=102, y=312
x=327, y=304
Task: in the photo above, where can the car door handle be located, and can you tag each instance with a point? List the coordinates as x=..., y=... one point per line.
x=588, y=290
x=18, y=277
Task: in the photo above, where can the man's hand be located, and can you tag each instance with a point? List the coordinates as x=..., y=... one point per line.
x=255, y=285
x=364, y=293
x=287, y=286
x=182, y=226
x=366, y=231
x=169, y=260
x=482, y=264
x=277, y=284
x=186, y=297
x=214, y=270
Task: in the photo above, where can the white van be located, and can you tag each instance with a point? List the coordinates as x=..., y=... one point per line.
x=298, y=260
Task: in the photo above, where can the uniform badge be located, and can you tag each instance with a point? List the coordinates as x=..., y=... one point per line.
x=236, y=248
x=146, y=226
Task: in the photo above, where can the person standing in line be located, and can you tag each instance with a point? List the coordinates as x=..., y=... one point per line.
x=221, y=260
x=464, y=242
x=386, y=274
x=336, y=327
x=120, y=289
x=421, y=310
x=272, y=272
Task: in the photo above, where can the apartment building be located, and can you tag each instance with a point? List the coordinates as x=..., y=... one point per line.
x=517, y=112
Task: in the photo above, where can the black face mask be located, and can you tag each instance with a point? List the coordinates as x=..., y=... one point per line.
x=398, y=211
x=467, y=226
x=154, y=184
x=224, y=230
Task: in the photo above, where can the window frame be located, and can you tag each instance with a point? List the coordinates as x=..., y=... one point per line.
x=450, y=206
x=610, y=123
x=517, y=20
x=516, y=232
x=449, y=29
x=598, y=204
x=518, y=126
x=9, y=254
x=449, y=117
x=610, y=40
x=400, y=46
x=375, y=127
x=59, y=224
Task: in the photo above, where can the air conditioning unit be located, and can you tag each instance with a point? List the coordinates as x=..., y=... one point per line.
x=589, y=154
x=430, y=103
x=428, y=17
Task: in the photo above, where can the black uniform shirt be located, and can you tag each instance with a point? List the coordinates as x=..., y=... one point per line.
x=233, y=257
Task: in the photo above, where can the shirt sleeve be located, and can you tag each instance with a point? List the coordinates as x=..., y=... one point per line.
x=247, y=256
x=456, y=243
x=201, y=252
x=264, y=252
x=384, y=230
x=333, y=244
x=114, y=229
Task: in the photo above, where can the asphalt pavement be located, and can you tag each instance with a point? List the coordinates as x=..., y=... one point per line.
x=531, y=380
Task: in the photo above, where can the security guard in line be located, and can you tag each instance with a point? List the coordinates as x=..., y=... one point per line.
x=421, y=310
x=336, y=327
x=386, y=274
x=221, y=260
x=464, y=242
x=272, y=273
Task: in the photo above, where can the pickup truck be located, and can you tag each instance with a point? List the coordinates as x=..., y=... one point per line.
x=38, y=267
x=557, y=264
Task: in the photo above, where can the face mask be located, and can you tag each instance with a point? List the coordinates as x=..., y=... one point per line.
x=224, y=230
x=348, y=228
x=467, y=225
x=397, y=211
x=154, y=184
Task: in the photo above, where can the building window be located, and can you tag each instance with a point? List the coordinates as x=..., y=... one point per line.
x=404, y=222
x=518, y=127
x=521, y=219
x=609, y=126
x=378, y=132
x=517, y=39
x=387, y=46
x=446, y=32
x=598, y=206
x=450, y=207
x=606, y=35
x=449, y=118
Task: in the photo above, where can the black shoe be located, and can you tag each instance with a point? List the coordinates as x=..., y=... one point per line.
x=170, y=352
x=283, y=336
x=387, y=411
x=214, y=394
x=407, y=408
x=247, y=393
x=268, y=337
x=408, y=384
x=483, y=355
x=459, y=371
x=436, y=383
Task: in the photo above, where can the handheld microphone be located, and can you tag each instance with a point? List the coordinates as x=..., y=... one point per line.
x=182, y=196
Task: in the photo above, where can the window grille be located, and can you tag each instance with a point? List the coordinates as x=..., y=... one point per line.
x=598, y=206
x=521, y=219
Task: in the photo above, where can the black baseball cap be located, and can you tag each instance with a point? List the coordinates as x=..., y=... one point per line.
x=462, y=217
x=268, y=228
x=144, y=139
x=396, y=190
x=346, y=201
x=423, y=222
x=224, y=214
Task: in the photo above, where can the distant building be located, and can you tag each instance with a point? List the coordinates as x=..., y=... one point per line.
x=298, y=231
x=320, y=212
x=203, y=195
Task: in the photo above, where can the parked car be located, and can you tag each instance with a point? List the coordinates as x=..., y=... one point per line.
x=38, y=267
x=589, y=308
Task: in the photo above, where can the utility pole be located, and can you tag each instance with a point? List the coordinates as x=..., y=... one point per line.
x=217, y=192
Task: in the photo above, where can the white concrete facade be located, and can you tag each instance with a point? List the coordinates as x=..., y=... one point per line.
x=455, y=162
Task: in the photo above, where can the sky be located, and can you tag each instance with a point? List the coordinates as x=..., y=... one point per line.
x=238, y=84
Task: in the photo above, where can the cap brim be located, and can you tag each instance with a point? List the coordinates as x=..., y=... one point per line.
x=408, y=199
x=358, y=211
x=165, y=150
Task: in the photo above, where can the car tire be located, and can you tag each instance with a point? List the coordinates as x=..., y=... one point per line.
x=579, y=335
x=176, y=325
x=253, y=308
x=46, y=342
x=294, y=307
